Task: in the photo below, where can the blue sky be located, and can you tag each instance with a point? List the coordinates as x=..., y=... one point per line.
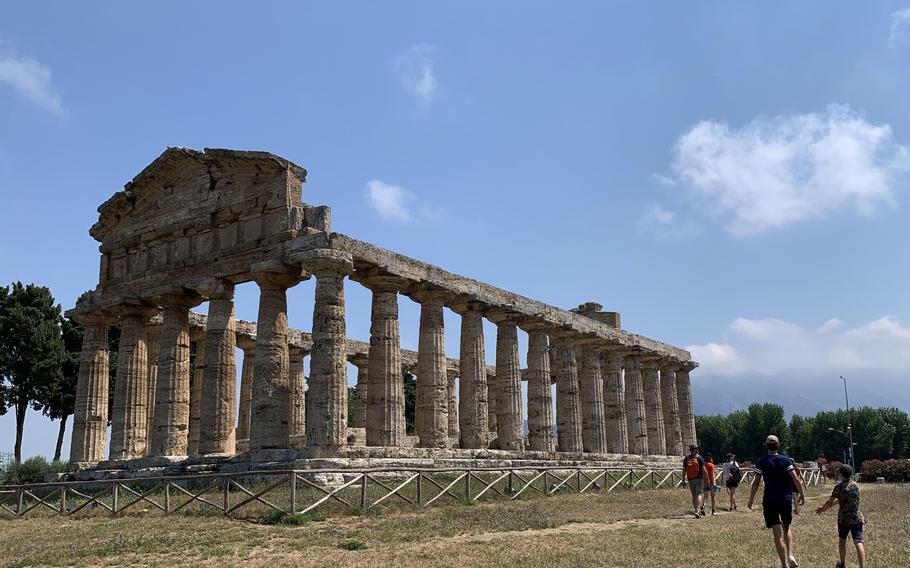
x=731, y=178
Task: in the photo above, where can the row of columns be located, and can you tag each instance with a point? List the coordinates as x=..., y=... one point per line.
x=607, y=401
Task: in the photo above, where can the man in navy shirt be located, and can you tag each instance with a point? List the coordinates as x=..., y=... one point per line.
x=778, y=472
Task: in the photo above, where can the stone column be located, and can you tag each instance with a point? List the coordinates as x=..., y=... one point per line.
x=363, y=372
x=492, y=415
x=593, y=433
x=635, y=406
x=568, y=413
x=432, y=404
x=152, y=333
x=246, y=388
x=670, y=404
x=540, y=400
x=452, y=374
x=297, y=406
x=172, y=397
x=271, y=390
x=129, y=415
x=218, y=407
x=654, y=412
x=508, y=387
x=472, y=400
x=686, y=411
x=90, y=411
x=327, y=424
x=385, y=390
x=615, y=404
x=197, y=336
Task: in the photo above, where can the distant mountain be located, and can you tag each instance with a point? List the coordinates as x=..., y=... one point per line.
x=804, y=395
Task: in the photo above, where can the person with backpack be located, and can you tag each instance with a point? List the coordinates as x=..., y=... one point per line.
x=694, y=475
x=732, y=475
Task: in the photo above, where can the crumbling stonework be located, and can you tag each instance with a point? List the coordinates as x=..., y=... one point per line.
x=194, y=224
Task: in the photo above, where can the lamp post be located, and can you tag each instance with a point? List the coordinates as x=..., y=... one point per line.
x=849, y=423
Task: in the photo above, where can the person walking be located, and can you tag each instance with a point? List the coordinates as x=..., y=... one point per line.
x=732, y=476
x=710, y=487
x=850, y=519
x=694, y=474
x=776, y=471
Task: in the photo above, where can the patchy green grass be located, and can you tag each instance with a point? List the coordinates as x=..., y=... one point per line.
x=620, y=529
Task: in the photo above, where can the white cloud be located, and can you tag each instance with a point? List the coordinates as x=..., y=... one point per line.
x=899, y=20
x=29, y=79
x=773, y=346
x=416, y=72
x=829, y=326
x=395, y=203
x=777, y=171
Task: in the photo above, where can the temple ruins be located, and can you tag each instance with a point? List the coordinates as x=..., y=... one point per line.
x=194, y=224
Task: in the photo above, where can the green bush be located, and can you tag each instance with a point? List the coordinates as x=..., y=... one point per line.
x=352, y=545
x=895, y=471
x=276, y=517
x=31, y=470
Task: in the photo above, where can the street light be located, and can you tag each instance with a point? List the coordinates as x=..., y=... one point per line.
x=849, y=423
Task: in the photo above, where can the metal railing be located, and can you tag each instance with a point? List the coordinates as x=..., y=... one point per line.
x=302, y=492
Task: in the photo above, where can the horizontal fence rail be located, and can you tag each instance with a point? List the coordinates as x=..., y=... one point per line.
x=276, y=493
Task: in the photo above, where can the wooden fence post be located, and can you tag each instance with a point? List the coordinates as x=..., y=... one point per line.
x=294, y=492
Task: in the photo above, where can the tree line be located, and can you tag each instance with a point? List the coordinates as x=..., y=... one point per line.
x=878, y=433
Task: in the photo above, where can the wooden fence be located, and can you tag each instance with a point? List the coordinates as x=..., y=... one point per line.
x=301, y=492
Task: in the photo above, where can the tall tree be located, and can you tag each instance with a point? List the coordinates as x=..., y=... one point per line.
x=31, y=350
x=59, y=398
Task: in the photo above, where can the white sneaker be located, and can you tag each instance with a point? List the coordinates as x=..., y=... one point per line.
x=793, y=562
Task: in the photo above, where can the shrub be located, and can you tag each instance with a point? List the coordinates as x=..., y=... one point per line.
x=31, y=470
x=276, y=517
x=352, y=545
x=895, y=471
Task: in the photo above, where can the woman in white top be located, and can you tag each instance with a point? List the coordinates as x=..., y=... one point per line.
x=732, y=476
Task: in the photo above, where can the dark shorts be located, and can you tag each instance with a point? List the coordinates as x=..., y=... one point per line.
x=732, y=484
x=855, y=530
x=778, y=514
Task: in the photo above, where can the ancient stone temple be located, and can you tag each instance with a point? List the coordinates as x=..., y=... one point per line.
x=194, y=224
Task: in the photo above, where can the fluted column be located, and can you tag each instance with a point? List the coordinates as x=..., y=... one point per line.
x=472, y=368
x=385, y=390
x=540, y=399
x=297, y=406
x=363, y=372
x=508, y=387
x=568, y=413
x=153, y=333
x=452, y=374
x=246, y=388
x=432, y=404
x=197, y=336
x=271, y=390
x=129, y=415
x=327, y=424
x=670, y=402
x=657, y=444
x=635, y=406
x=686, y=411
x=90, y=411
x=492, y=415
x=218, y=407
x=172, y=395
x=615, y=404
x=593, y=432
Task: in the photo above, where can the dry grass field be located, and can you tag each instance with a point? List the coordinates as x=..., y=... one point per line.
x=620, y=529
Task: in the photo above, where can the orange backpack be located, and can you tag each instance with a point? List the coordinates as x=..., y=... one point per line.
x=693, y=471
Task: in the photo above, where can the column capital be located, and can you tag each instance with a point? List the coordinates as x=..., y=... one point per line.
x=687, y=366
x=360, y=360
x=247, y=343
x=531, y=325
x=214, y=288
x=451, y=373
x=430, y=295
x=177, y=296
x=503, y=316
x=274, y=274
x=136, y=307
x=462, y=304
x=297, y=351
x=322, y=261
x=95, y=318
x=650, y=361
